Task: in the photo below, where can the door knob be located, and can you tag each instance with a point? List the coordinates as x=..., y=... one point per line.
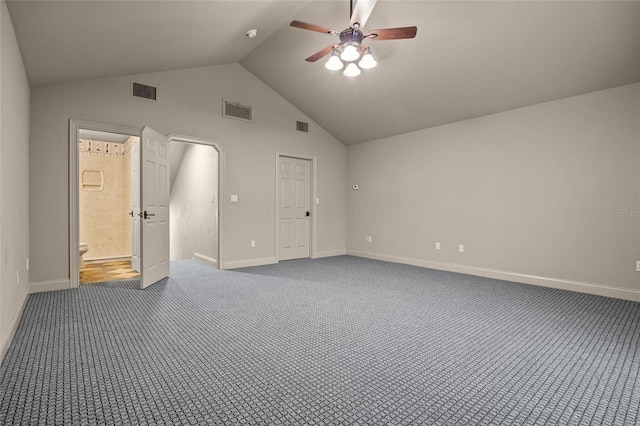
x=148, y=215
x=308, y=214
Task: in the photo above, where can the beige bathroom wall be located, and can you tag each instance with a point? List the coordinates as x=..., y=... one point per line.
x=103, y=208
x=127, y=238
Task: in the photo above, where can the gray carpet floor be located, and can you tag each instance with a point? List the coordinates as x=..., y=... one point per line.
x=336, y=341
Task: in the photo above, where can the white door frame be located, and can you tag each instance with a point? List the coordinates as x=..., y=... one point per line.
x=74, y=215
x=220, y=206
x=312, y=231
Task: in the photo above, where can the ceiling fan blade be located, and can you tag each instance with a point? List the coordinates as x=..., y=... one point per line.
x=392, y=33
x=361, y=12
x=312, y=27
x=322, y=53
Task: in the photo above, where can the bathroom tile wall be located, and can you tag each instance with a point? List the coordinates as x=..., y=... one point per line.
x=105, y=198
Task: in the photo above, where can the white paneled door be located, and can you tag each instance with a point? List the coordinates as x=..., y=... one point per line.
x=154, y=249
x=294, y=208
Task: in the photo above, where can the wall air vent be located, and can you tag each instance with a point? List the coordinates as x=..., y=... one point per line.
x=236, y=110
x=301, y=126
x=143, y=91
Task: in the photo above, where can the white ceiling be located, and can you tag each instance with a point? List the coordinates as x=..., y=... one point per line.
x=469, y=58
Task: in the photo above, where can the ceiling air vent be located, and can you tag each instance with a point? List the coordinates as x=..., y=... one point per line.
x=301, y=126
x=143, y=91
x=232, y=109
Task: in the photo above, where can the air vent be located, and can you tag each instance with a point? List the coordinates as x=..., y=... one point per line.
x=143, y=91
x=301, y=126
x=232, y=109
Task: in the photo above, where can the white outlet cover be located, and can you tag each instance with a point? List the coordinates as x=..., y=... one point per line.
x=461, y=248
x=234, y=198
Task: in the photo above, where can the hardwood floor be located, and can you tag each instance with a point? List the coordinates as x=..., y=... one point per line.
x=99, y=271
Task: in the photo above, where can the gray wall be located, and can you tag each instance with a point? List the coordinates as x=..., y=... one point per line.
x=14, y=182
x=194, y=201
x=547, y=194
x=189, y=103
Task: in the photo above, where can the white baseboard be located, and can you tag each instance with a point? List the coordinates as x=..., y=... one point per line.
x=107, y=258
x=53, y=285
x=329, y=253
x=206, y=259
x=581, y=287
x=13, y=327
x=234, y=264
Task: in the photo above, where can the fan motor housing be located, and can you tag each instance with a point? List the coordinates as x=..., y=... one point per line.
x=351, y=36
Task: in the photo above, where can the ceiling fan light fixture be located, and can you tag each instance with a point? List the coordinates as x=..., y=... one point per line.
x=367, y=60
x=350, y=53
x=352, y=70
x=334, y=63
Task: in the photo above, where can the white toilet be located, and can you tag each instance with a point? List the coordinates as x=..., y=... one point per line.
x=83, y=249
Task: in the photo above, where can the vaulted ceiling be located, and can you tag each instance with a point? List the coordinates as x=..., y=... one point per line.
x=469, y=58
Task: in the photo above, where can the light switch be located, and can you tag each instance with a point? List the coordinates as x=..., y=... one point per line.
x=234, y=198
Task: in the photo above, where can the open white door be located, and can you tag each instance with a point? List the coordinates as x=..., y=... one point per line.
x=154, y=250
x=135, y=206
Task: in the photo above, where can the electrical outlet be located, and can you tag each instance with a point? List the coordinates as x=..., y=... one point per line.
x=461, y=248
x=368, y=239
x=437, y=246
x=27, y=264
x=638, y=265
x=17, y=277
x=253, y=243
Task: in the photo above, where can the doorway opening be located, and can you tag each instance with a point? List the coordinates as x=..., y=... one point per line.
x=105, y=193
x=194, y=206
x=93, y=179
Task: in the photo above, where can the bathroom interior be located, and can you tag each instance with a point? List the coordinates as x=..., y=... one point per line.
x=105, y=200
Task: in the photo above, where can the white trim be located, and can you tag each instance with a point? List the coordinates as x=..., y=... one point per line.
x=74, y=224
x=51, y=285
x=107, y=258
x=312, y=202
x=174, y=137
x=581, y=287
x=330, y=253
x=249, y=262
x=205, y=259
x=13, y=327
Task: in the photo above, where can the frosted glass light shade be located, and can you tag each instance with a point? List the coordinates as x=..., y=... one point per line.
x=334, y=63
x=367, y=61
x=350, y=53
x=352, y=70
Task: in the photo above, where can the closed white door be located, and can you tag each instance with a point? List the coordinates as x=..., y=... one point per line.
x=294, y=208
x=154, y=249
x=135, y=206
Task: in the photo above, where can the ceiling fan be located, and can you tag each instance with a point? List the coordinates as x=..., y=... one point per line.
x=351, y=40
